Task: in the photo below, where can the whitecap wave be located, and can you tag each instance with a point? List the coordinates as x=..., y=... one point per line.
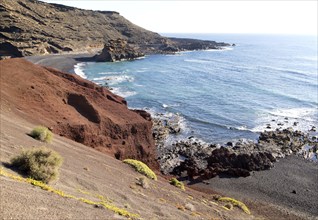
x=294, y=112
x=123, y=93
x=219, y=50
x=113, y=80
x=242, y=128
x=302, y=119
x=111, y=73
x=169, y=105
x=78, y=69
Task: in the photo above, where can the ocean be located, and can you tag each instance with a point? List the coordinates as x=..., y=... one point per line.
x=263, y=83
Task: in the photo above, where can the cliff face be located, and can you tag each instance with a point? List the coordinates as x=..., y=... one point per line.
x=32, y=27
x=76, y=108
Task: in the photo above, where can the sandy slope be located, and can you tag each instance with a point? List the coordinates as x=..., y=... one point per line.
x=95, y=173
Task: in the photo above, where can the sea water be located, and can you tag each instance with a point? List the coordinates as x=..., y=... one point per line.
x=263, y=83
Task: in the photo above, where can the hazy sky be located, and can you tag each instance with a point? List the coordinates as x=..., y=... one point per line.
x=281, y=17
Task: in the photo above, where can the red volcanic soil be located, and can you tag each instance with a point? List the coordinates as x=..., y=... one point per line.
x=76, y=108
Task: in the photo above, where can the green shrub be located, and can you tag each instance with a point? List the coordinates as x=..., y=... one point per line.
x=38, y=163
x=42, y=133
x=177, y=183
x=234, y=202
x=141, y=168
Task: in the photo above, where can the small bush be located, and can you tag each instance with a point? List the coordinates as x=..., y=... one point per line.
x=177, y=183
x=42, y=133
x=239, y=204
x=38, y=163
x=141, y=168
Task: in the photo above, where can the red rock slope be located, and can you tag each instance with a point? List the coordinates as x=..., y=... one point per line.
x=76, y=108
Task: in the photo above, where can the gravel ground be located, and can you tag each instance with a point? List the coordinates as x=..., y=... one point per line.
x=291, y=186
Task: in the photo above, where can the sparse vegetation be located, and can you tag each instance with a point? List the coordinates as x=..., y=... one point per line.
x=42, y=133
x=46, y=187
x=141, y=168
x=38, y=163
x=177, y=183
x=234, y=202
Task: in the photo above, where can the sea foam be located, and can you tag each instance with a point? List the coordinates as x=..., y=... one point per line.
x=78, y=69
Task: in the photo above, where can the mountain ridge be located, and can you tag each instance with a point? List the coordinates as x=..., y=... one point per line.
x=30, y=27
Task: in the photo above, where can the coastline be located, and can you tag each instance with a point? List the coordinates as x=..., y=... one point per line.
x=62, y=62
x=268, y=195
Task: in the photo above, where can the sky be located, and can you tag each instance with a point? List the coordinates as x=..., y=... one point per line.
x=253, y=16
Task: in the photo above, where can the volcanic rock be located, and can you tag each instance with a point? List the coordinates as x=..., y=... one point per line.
x=30, y=27
x=76, y=108
x=117, y=51
x=193, y=158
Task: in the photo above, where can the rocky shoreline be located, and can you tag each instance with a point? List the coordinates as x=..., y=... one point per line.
x=193, y=159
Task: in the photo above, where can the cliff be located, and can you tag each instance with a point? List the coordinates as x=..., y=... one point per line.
x=77, y=109
x=30, y=27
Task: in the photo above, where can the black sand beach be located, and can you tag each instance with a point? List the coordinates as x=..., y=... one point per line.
x=63, y=62
x=291, y=187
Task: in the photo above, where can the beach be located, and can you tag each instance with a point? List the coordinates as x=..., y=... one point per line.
x=290, y=187
x=62, y=62
x=287, y=191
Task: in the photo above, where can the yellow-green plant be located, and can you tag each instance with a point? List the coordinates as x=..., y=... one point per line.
x=39, y=163
x=177, y=183
x=141, y=168
x=46, y=187
x=42, y=133
x=239, y=204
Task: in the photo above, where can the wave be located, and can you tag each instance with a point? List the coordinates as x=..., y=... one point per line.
x=113, y=80
x=219, y=50
x=298, y=118
x=78, y=69
x=197, y=61
x=294, y=112
x=111, y=73
x=289, y=71
x=169, y=105
x=123, y=93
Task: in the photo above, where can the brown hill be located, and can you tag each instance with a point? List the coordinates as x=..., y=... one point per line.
x=76, y=108
x=29, y=27
x=34, y=27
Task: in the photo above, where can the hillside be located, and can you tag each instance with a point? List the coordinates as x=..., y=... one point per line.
x=88, y=177
x=30, y=27
x=36, y=27
x=76, y=108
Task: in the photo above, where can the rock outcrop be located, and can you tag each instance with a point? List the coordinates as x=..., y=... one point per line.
x=194, y=158
x=76, y=108
x=117, y=51
x=30, y=27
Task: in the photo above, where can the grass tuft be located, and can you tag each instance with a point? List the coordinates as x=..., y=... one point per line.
x=177, y=183
x=38, y=163
x=239, y=204
x=42, y=133
x=46, y=187
x=141, y=168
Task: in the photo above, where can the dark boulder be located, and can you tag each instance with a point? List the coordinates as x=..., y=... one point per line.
x=117, y=51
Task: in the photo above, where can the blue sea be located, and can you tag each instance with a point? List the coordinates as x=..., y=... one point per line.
x=263, y=83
